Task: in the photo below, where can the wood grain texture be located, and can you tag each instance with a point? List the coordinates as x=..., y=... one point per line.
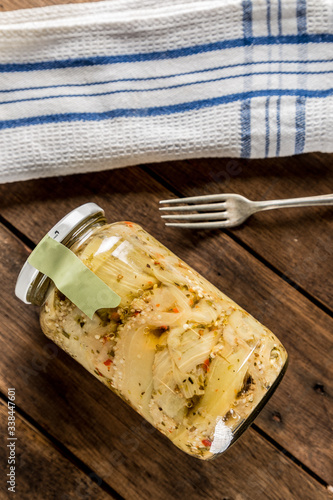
x=298, y=241
x=305, y=330
x=100, y=429
x=41, y=471
x=110, y=437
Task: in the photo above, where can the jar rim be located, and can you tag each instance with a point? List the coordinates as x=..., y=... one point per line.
x=62, y=232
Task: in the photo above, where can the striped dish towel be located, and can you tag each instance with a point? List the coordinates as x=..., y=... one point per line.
x=93, y=86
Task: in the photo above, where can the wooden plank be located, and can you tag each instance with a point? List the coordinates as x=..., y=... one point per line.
x=41, y=471
x=258, y=475
x=280, y=237
x=109, y=436
x=304, y=329
x=297, y=241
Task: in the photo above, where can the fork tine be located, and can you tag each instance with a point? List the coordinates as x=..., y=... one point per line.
x=205, y=216
x=200, y=225
x=199, y=208
x=194, y=199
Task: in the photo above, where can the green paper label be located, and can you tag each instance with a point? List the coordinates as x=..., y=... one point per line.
x=75, y=280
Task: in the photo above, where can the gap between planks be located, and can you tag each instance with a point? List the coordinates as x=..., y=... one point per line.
x=248, y=249
x=64, y=451
x=289, y=455
x=85, y=468
x=61, y=448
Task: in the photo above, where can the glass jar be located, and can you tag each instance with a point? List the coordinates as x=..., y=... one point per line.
x=185, y=356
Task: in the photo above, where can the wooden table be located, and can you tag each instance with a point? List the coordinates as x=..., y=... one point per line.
x=77, y=440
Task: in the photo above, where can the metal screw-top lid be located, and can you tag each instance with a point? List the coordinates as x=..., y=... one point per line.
x=60, y=232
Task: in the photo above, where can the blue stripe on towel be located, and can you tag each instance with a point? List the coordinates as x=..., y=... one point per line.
x=279, y=18
x=174, y=75
x=247, y=19
x=300, y=125
x=246, y=128
x=170, y=54
x=267, y=127
x=278, y=126
x=245, y=117
x=268, y=17
x=156, y=89
x=278, y=102
x=301, y=100
x=161, y=110
x=301, y=17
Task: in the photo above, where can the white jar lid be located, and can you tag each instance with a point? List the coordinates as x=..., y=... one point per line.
x=59, y=232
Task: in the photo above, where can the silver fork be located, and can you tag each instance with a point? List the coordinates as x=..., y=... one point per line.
x=230, y=209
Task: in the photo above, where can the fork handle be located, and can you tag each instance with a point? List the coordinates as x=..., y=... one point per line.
x=293, y=202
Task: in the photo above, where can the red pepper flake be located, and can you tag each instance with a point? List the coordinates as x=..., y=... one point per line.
x=175, y=310
x=107, y=362
x=129, y=224
x=157, y=263
x=98, y=372
x=191, y=302
x=115, y=316
x=164, y=328
x=206, y=365
x=105, y=339
x=158, y=305
x=206, y=442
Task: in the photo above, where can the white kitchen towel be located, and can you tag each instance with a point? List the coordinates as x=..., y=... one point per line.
x=93, y=86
